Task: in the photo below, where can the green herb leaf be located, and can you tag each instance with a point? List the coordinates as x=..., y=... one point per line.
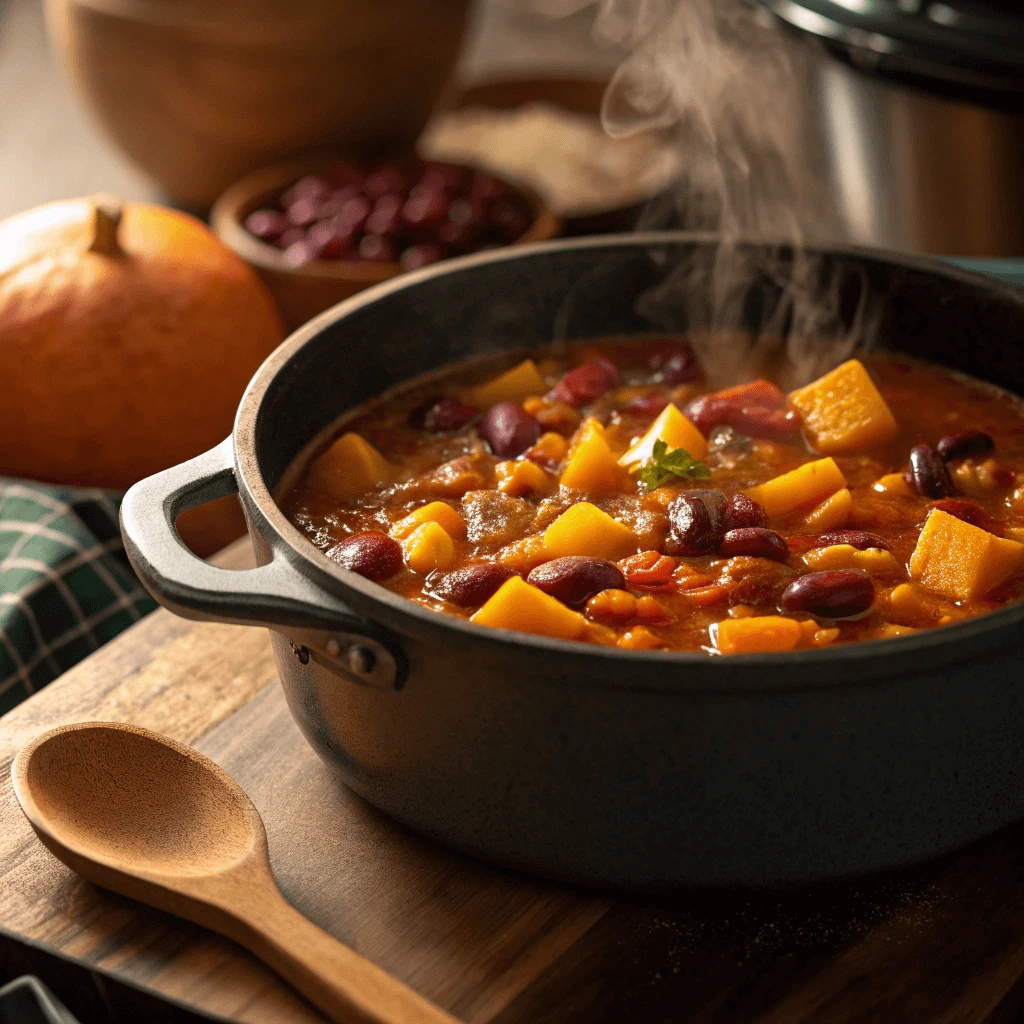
x=664, y=464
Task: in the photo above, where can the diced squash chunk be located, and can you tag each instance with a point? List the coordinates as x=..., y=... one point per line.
x=591, y=467
x=640, y=638
x=675, y=430
x=844, y=412
x=757, y=635
x=911, y=605
x=517, y=605
x=831, y=513
x=892, y=483
x=520, y=477
x=351, y=466
x=428, y=548
x=807, y=484
x=584, y=529
x=511, y=386
x=875, y=562
x=525, y=553
x=549, y=450
x=961, y=561
x=890, y=630
x=439, y=512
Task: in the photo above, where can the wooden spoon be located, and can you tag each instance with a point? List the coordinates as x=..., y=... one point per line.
x=147, y=817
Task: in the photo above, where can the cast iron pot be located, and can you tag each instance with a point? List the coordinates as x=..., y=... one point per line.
x=583, y=763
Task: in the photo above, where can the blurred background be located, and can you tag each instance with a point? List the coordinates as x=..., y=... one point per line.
x=220, y=171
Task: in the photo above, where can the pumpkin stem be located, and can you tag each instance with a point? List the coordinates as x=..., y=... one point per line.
x=107, y=211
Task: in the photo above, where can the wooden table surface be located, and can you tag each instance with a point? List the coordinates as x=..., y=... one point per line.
x=943, y=942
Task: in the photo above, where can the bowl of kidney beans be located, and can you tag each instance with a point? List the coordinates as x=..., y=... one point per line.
x=319, y=231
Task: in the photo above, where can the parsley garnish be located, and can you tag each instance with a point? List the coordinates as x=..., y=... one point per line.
x=664, y=464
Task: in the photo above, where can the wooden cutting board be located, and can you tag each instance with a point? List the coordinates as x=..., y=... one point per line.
x=943, y=942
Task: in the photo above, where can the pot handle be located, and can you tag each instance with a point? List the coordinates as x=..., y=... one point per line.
x=276, y=595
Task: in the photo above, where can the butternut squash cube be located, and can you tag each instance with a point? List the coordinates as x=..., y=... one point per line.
x=591, y=467
x=521, y=477
x=831, y=513
x=511, y=386
x=517, y=605
x=844, y=412
x=439, y=512
x=675, y=430
x=892, y=483
x=584, y=529
x=549, y=450
x=911, y=605
x=428, y=548
x=807, y=484
x=351, y=466
x=640, y=638
x=875, y=562
x=760, y=634
x=961, y=561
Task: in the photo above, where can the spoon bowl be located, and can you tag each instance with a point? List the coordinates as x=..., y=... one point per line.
x=115, y=794
x=149, y=818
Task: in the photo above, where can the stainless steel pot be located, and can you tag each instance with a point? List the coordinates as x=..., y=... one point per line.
x=915, y=112
x=583, y=763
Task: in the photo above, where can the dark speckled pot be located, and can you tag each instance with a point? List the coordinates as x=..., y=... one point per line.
x=641, y=770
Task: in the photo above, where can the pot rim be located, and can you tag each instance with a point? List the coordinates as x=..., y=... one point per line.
x=870, y=657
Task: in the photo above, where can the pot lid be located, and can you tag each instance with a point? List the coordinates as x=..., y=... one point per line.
x=975, y=44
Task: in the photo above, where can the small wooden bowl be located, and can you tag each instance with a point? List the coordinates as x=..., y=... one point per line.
x=302, y=292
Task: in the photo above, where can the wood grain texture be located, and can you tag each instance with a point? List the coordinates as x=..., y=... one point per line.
x=943, y=942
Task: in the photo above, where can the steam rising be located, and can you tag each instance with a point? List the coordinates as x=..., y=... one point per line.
x=727, y=83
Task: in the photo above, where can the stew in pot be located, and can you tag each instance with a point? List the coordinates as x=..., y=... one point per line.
x=600, y=493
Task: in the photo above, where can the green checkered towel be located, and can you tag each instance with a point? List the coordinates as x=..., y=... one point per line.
x=66, y=586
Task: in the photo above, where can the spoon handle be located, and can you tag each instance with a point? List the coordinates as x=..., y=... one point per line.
x=337, y=980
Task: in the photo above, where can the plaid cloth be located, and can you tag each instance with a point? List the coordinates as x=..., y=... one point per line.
x=66, y=586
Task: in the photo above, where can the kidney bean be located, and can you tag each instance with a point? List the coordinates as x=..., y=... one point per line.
x=697, y=520
x=441, y=415
x=928, y=474
x=968, y=511
x=709, y=412
x=371, y=553
x=859, y=539
x=966, y=442
x=509, y=429
x=758, y=392
x=742, y=512
x=421, y=255
x=312, y=187
x=383, y=179
x=377, y=249
x=835, y=594
x=354, y=212
x=299, y=253
x=755, y=542
x=334, y=204
x=471, y=585
x=330, y=240
x=386, y=216
x=290, y=237
x=576, y=578
x=267, y=225
x=511, y=216
x=443, y=176
x=677, y=363
x=586, y=383
x=303, y=212
x=646, y=406
x=486, y=188
x=426, y=208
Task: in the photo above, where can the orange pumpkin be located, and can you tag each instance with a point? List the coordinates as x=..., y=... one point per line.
x=127, y=336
